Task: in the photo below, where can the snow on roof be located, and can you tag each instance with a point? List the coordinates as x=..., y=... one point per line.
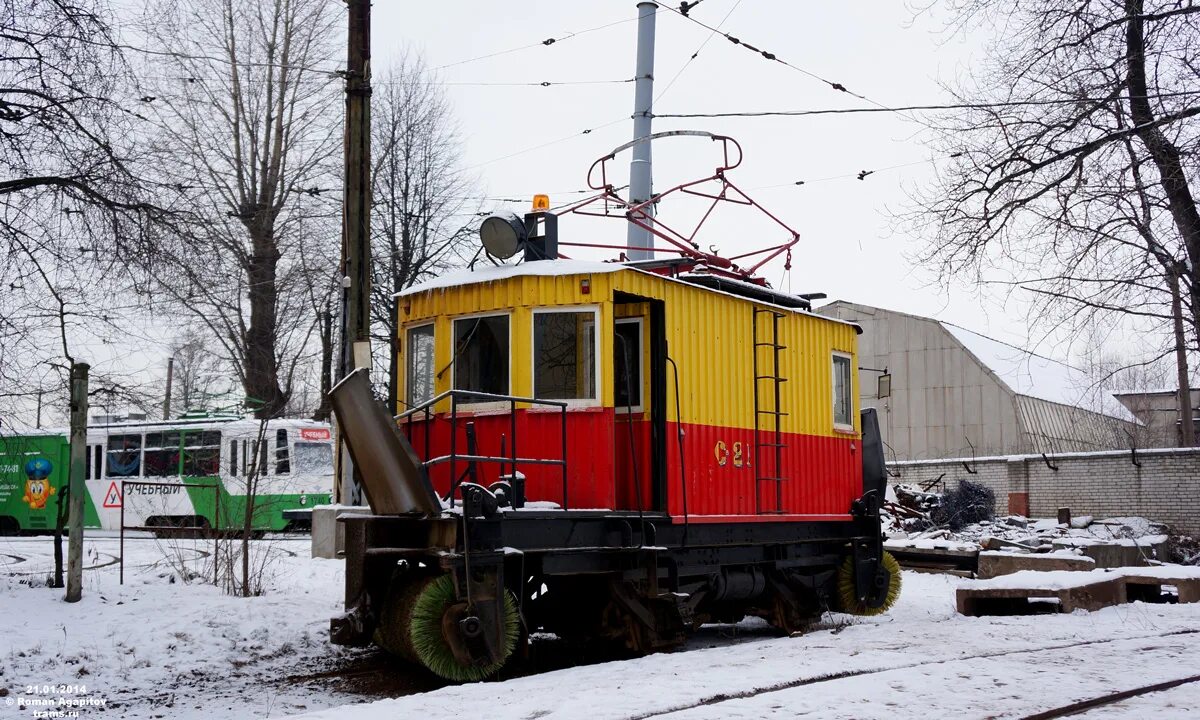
x=1025, y=372
x=563, y=267
x=503, y=272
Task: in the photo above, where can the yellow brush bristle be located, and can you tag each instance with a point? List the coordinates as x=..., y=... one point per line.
x=848, y=602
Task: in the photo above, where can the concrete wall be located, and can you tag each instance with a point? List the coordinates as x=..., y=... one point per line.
x=1165, y=488
x=943, y=400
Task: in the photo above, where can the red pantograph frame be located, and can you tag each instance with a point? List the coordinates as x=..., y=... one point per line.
x=613, y=205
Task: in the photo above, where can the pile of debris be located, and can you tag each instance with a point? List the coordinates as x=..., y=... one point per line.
x=918, y=510
x=1183, y=549
x=962, y=520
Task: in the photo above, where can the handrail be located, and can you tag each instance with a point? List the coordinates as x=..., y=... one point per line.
x=472, y=457
x=476, y=394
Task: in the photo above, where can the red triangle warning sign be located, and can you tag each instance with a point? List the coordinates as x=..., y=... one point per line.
x=112, y=498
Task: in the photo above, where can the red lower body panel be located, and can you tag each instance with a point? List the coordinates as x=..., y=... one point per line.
x=821, y=476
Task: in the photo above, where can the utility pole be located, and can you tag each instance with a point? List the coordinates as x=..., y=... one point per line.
x=356, y=223
x=640, y=174
x=1187, y=436
x=39, y=408
x=79, y=411
x=167, y=399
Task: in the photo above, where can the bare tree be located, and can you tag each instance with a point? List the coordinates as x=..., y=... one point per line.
x=201, y=377
x=246, y=107
x=421, y=194
x=1070, y=175
x=76, y=213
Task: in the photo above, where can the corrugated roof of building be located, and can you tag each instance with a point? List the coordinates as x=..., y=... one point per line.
x=1026, y=373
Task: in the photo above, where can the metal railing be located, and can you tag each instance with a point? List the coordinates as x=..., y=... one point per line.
x=509, y=461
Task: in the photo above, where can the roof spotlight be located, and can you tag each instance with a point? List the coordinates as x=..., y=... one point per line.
x=503, y=235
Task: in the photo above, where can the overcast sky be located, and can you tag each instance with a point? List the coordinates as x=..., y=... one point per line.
x=521, y=139
x=850, y=244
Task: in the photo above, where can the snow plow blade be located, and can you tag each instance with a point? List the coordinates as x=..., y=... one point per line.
x=392, y=477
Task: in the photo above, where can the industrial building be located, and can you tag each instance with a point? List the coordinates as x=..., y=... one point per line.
x=947, y=392
x=1158, y=412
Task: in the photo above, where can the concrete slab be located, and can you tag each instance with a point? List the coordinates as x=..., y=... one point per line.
x=1147, y=583
x=329, y=535
x=1015, y=599
x=1115, y=554
x=992, y=563
x=1029, y=591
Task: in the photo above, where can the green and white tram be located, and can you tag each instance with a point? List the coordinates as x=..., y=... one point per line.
x=196, y=472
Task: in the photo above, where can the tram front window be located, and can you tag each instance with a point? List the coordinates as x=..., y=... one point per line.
x=312, y=458
x=481, y=354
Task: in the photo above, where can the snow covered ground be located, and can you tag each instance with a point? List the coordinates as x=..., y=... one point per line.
x=156, y=647
x=160, y=648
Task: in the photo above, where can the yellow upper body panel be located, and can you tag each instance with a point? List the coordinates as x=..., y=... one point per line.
x=710, y=335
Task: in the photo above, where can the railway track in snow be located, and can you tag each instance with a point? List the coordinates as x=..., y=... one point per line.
x=1097, y=702
x=1063, y=711
x=104, y=559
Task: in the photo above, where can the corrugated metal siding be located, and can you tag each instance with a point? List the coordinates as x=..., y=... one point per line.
x=710, y=336
x=1053, y=428
x=824, y=474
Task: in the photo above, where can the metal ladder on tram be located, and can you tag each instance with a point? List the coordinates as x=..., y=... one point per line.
x=768, y=413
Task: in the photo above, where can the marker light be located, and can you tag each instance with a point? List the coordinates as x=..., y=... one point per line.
x=541, y=203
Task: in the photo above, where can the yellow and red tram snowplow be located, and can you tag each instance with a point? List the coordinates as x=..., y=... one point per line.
x=615, y=451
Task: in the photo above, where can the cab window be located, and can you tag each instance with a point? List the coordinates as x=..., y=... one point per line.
x=843, y=402
x=283, y=461
x=564, y=355
x=627, y=365
x=419, y=346
x=481, y=354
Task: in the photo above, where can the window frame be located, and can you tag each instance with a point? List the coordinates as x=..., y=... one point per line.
x=193, y=439
x=282, y=464
x=640, y=407
x=834, y=356
x=593, y=401
x=408, y=329
x=141, y=445
x=486, y=405
x=162, y=446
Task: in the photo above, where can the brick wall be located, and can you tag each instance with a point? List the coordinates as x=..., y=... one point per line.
x=1165, y=487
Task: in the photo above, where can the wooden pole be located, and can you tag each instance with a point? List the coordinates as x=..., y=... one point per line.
x=1187, y=435
x=79, y=411
x=356, y=221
